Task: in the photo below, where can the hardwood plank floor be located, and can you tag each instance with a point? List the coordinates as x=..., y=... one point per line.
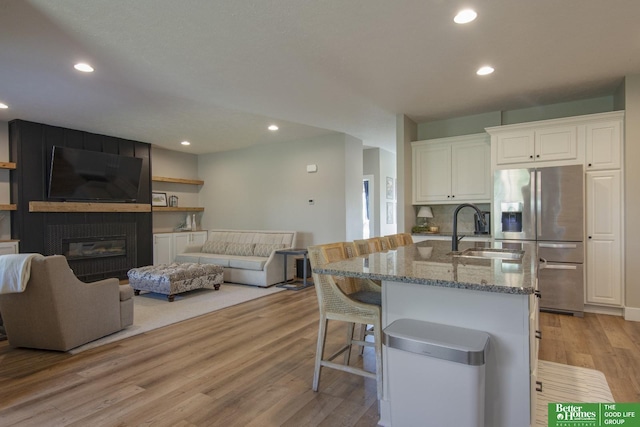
x=252, y=365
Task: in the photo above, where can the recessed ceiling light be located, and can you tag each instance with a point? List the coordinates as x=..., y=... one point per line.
x=3, y=106
x=273, y=127
x=84, y=67
x=185, y=143
x=483, y=71
x=465, y=16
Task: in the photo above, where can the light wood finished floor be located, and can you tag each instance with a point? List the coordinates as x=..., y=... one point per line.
x=252, y=365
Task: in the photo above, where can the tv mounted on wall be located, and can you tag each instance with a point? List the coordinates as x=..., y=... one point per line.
x=83, y=175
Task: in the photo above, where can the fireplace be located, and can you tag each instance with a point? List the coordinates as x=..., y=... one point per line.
x=95, y=251
x=94, y=247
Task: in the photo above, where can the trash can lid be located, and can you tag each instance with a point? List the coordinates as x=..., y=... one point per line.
x=461, y=345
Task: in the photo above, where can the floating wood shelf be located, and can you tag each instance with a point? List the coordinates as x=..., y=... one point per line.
x=177, y=180
x=87, y=207
x=177, y=209
x=7, y=165
x=4, y=207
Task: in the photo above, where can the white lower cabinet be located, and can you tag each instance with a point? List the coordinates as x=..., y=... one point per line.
x=8, y=248
x=167, y=245
x=604, y=238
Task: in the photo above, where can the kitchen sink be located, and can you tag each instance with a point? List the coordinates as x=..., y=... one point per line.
x=489, y=253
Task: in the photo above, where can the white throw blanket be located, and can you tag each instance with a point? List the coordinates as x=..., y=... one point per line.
x=15, y=270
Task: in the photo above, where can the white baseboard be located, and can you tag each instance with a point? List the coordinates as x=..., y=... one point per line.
x=632, y=314
x=601, y=309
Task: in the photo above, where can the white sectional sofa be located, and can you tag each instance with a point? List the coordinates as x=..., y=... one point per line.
x=248, y=256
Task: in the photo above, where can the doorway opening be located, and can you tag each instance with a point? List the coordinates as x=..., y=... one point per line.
x=368, y=217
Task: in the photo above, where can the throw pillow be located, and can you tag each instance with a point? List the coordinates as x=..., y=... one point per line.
x=265, y=249
x=243, y=249
x=214, y=247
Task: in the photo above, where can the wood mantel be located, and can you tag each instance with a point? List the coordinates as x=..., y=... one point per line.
x=87, y=207
x=177, y=180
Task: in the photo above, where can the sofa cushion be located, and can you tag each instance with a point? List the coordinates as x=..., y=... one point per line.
x=203, y=258
x=265, y=249
x=243, y=249
x=217, y=259
x=248, y=263
x=214, y=247
x=189, y=257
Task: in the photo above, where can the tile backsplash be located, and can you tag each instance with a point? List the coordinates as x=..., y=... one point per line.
x=443, y=217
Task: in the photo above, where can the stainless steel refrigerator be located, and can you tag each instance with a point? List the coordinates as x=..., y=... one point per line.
x=546, y=205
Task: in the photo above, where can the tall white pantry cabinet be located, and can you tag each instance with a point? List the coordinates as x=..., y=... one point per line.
x=604, y=214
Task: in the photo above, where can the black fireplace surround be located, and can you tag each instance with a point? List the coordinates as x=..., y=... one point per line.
x=49, y=233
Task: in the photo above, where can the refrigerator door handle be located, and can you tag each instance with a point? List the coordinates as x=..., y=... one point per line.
x=538, y=203
x=558, y=245
x=561, y=267
x=543, y=264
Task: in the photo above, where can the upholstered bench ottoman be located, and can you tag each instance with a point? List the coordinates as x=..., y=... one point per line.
x=172, y=279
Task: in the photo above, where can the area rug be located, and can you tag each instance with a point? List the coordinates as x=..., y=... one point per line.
x=569, y=384
x=152, y=311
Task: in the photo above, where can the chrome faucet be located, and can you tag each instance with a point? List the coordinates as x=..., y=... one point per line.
x=454, y=238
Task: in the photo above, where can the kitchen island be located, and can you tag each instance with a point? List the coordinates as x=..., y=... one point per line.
x=498, y=296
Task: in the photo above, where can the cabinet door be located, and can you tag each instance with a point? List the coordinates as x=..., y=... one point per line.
x=8, y=248
x=198, y=238
x=604, y=143
x=471, y=171
x=162, y=248
x=604, y=248
x=515, y=147
x=181, y=241
x=431, y=173
x=556, y=143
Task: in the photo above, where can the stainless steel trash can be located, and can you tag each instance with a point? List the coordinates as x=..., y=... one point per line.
x=435, y=374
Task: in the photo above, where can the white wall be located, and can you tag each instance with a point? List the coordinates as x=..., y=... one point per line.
x=382, y=165
x=5, y=216
x=268, y=188
x=406, y=131
x=631, y=193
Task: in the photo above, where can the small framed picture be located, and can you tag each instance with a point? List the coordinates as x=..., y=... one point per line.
x=390, y=213
x=391, y=190
x=158, y=199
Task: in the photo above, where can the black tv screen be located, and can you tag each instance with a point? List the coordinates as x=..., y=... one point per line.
x=85, y=175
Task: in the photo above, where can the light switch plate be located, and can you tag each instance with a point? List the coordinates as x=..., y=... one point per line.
x=312, y=168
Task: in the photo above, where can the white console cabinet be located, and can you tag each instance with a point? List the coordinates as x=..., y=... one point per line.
x=167, y=245
x=7, y=248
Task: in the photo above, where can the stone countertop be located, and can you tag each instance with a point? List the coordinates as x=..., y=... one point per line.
x=450, y=233
x=428, y=263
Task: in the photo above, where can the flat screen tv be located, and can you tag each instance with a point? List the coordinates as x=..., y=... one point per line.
x=84, y=175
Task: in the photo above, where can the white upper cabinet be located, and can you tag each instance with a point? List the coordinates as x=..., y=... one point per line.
x=537, y=145
x=452, y=170
x=594, y=140
x=604, y=145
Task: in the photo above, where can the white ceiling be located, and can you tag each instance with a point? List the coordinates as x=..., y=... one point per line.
x=217, y=73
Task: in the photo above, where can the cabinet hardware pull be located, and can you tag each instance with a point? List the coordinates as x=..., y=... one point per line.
x=538, y=385
x=589, y=164
x=531, y=157
x=558, y=245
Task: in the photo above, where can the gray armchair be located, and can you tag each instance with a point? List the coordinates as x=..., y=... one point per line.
x=57, y=311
